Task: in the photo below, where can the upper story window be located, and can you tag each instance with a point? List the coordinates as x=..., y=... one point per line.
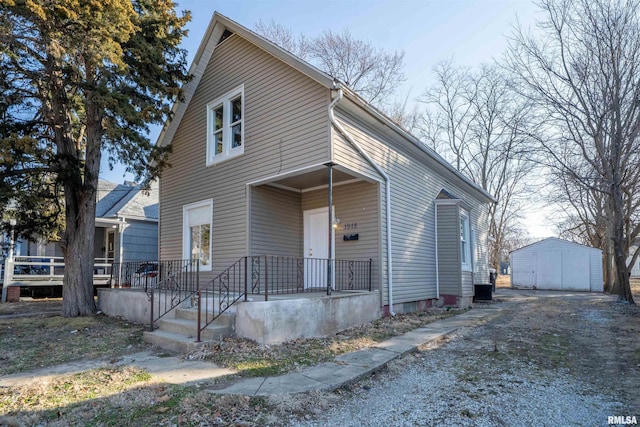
x=225, y=131
x=465, y=241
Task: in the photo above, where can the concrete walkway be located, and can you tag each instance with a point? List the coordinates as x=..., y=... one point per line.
x=350, y=367
x=173, y=370
x=344, y=369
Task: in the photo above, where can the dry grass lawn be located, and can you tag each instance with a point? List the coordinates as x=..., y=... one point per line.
x=126, y=396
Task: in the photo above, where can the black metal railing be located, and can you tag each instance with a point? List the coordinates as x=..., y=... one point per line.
x=278, y=275
x=222, y=292
x=167, y=283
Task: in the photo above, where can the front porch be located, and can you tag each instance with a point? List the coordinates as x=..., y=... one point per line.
x=268, y=297
x=289, y=216
x=282, y=318
x=41, y=276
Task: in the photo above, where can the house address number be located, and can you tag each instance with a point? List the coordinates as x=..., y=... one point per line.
x=351, y=226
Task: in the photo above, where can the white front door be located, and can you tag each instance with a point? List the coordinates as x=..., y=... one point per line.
x=316, y=247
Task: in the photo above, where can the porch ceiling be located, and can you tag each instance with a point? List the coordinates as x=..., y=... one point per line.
x=313, y=179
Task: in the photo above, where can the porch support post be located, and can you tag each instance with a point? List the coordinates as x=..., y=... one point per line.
x=9, y=262
x=121, y=223
x=330, y=231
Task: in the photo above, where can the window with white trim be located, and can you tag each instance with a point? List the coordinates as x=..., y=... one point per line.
x=465, y=241
x=196, y=232
x=225, y=130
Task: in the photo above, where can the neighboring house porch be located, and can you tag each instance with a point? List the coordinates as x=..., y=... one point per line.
x=126, y=229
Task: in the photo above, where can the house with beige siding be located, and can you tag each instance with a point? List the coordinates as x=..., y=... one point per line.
x=264, y=144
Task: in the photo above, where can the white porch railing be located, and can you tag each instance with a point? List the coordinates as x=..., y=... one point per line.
x=47, y=269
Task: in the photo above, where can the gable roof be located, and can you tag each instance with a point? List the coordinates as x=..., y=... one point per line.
x=126, y=200
x=217, y=27
x=220, y=25
x=557, y=240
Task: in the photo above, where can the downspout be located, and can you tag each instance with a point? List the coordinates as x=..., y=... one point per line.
x=387, y=181
x=435, y=206
x=472, y=252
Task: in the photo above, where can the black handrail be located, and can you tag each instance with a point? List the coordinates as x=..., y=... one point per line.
x=227, y=288
x=167, y=283
x=277, y=275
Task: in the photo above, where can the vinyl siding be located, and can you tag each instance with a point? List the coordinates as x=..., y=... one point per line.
x=449, y=273
x=140, y=241
x=285, y=128
x=416, y=179
x=345, y=154
x=357, y=204
x=276, y=222
x=480, y=223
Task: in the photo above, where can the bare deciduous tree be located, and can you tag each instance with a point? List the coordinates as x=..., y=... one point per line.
x=482, y=128
x=406, y=115
x=372, y=72
x=451, y=98
x=583, y=73
x=283, y=37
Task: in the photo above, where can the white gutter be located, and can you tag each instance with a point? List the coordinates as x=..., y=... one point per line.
x=387, y=181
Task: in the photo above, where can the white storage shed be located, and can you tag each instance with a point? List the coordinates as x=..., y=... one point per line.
x=557, y=264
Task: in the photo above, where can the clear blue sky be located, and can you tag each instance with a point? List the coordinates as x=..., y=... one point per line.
x=470, y=32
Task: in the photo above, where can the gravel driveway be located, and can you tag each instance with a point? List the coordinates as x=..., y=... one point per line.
x=551, y=359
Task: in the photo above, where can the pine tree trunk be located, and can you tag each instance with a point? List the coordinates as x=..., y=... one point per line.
x=80, y=187
x=78, y=254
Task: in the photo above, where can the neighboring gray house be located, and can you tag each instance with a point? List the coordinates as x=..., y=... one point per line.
x=134, y=235
x=253, y=145
x=126, y=230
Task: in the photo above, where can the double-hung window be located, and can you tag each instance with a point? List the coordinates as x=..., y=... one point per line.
x=465, y=241
x=196, y=232
x=225, y=130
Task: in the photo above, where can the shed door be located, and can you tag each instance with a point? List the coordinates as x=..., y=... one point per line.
x=524, y=269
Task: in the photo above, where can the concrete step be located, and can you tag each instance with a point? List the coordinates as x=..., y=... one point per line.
x=225, y=319
x=171, y=341
x=179, y=332
x=189, y=328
